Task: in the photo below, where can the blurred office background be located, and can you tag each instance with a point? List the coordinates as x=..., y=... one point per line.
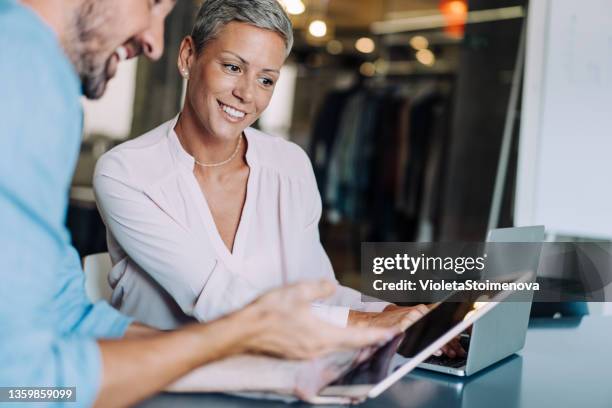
x=406, y=108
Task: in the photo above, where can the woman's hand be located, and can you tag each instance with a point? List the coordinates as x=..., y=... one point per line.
x=392, y=316
x=452, y=349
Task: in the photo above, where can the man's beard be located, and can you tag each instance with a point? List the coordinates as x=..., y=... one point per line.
x=85, y=41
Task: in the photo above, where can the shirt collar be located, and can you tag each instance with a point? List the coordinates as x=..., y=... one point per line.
x=185, y=159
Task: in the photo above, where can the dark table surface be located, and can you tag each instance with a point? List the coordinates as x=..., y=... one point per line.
x=565, y=363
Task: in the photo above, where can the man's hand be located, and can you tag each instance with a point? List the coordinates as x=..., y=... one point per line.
x=404, y=317
x=284, y=325
x=279, y=323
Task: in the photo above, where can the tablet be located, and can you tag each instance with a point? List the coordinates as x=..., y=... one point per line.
x=441, y=324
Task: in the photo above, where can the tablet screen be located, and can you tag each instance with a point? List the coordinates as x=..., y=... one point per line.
x=440, y=319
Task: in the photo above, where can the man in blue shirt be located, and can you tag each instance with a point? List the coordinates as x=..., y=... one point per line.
x=52, y=52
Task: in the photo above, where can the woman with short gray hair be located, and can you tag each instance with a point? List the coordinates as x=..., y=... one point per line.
x=205, y=212
x=267, y=15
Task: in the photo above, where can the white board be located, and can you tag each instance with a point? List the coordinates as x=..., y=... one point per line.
x=564, y=176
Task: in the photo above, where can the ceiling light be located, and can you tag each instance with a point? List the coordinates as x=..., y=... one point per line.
x=317, y=28
x=457, y=7
x=426, y=57
x=367, y=69
x=295, y=7
x=365, y=45
x=456, y=13
x=381, y=66
x=418, y=42
x=334, y=47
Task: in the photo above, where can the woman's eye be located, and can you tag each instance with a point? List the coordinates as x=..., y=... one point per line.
x=266, y=81
x=232, y=67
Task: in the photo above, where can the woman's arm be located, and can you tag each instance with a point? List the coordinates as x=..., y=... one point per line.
x=315, y=262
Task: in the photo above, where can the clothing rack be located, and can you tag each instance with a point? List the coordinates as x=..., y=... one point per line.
x=358, y=143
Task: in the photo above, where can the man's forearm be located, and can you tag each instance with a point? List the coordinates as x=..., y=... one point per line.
x=136, y=368
x=139, y=366
x=140, y=331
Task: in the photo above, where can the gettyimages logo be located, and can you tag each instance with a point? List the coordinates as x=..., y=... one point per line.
x=412, y=264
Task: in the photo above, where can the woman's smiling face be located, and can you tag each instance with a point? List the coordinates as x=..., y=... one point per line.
x=232, y=81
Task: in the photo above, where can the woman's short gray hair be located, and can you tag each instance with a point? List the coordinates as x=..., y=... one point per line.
x=215, y=14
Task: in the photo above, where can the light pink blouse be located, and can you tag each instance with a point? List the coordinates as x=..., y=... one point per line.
x=170, y=265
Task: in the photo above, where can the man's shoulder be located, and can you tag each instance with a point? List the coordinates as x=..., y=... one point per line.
x=31, y=57
x=21, y=31
x=40, y=111
x=10, y=10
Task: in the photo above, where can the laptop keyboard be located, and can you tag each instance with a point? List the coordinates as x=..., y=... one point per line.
x=456, y=362
x=447, y=361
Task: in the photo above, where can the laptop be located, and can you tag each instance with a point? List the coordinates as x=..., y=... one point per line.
x=394, y=360
x=501, y=332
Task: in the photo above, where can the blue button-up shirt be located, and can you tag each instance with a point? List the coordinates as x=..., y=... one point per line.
x=47, y=325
